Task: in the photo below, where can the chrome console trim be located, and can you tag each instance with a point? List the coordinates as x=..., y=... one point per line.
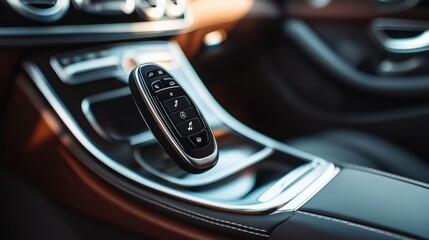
x=210, y=176
x=295, y=203
x=109, y=65
x=99, y=68
x=288, y=200
x=283, y=183
x=416, y=44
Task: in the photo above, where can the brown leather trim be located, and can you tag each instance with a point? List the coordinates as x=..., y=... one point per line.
x=35, y=150
x=123, y=211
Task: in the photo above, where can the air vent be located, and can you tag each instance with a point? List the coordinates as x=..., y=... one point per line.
x=41, y=10
x=151, y=9
x=157, y=9
x=106, y=7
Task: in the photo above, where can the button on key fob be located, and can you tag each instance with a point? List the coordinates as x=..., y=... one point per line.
x=173, y=118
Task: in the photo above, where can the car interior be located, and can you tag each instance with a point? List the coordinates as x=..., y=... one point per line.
x=214, y=119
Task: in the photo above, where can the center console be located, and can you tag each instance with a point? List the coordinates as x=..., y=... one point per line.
x=260, y=188
x=92, y=98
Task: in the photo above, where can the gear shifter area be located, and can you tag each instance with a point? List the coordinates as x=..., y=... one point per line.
x=240, y=171
x=173, y=118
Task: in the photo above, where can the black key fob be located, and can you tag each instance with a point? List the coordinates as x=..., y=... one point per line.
x=173, y=118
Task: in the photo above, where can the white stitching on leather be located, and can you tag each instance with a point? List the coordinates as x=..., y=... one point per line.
x=164, y=205
x=220, y=220
x=215, y=223
x=394, y=176
x=356, y=225
x=189, y=213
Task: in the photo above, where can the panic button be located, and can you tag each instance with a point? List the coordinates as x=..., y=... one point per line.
x=200, y=139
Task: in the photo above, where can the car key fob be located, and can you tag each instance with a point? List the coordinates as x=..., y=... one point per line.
x=173, y=118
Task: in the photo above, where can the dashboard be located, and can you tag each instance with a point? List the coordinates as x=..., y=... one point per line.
x=31, y=20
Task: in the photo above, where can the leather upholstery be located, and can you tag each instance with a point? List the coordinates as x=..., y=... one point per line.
x=363, y=204
x=350, y=147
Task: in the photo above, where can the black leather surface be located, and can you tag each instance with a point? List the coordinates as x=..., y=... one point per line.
x=373, y=200
x=303, y=227
x=344, y=146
